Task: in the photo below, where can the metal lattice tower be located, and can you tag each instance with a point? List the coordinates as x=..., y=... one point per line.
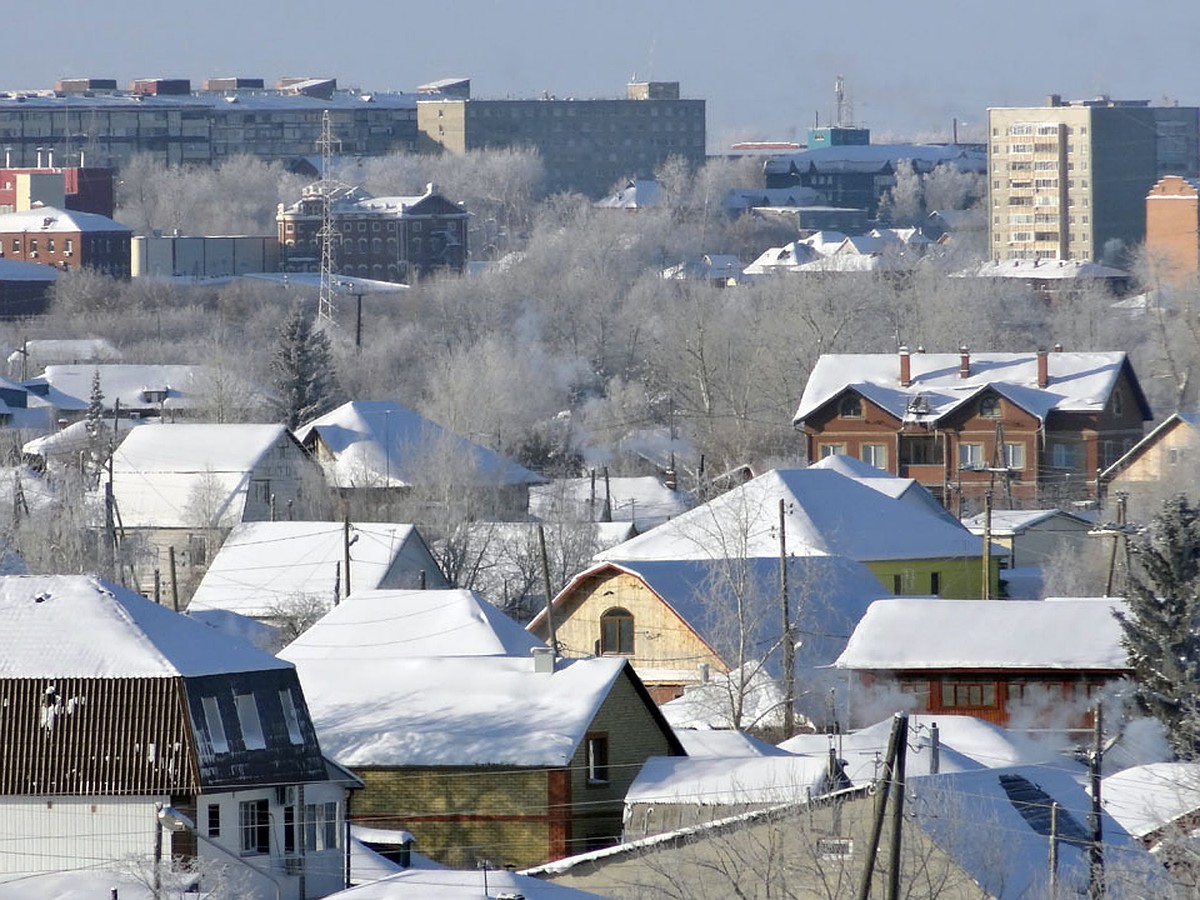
x=326, y=186
x=845, y=109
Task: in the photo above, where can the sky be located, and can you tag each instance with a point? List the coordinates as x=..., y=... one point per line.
x=767, y=70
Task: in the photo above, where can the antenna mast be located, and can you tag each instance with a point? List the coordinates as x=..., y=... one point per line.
x=845, y=109
x=326, y=186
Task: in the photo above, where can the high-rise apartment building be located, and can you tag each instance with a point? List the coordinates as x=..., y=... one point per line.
x=586, y=145
x=1068, y=180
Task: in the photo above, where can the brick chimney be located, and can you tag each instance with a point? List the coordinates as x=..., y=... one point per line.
x=964, y=362
x=905, y=368
x=1043, y=370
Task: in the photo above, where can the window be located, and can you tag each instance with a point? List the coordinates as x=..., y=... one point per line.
x=254, y=821
x=261, y=490
x=33, y=246
x=897, y=584
x=850, y=407
x=49, y=245
x=1118, y=404
x=935, y=583
x=1065, y=456
x=1014, y=456
x=968, y=693
x=989, y=407
x=247, y=711
x=616, y=631
x=329, y=827
x=289, y=830
x=288, y=702
x=874, y=455
x=970, y=456
x=214, y=820
x=214, y=726
x=920, y=450
x=597, y=759
x=827, y=450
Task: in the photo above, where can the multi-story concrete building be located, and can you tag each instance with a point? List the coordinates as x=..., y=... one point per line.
x=384, y=238
x=1069, y=180
x=586, y=145
x=89, y=121
x=82, y=190
x=1173, y=228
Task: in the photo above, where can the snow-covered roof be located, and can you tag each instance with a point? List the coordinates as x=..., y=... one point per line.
x=729, y=780
x=1009, y=522
x=62, y=350
x=159, y=471
x=965, y=744
x=738, y=199
x=788, y=257
x=908, y=490
x=379, y=443
x=69, y=442
x=1145, y=799
x=266, y=565
x=1078, y=382
x=80, y=626
x=51, y=220
x=719, y=742
x=868, y=158
x=12, y=270
x=453, y=711
x=641, y=499
x=825, y=513
x=1041, y=269
x=459, y=884
x=914, y=633
x=995, y=824
x=134, y=385
x=383, y=625
x=637, y=194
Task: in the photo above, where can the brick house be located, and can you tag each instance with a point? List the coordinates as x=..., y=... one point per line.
x=396, y=239
x=67, y=240
x=1036, y=428
x=111, y=704
x=469, y=734
x=1173, y=228
x=1017, y=663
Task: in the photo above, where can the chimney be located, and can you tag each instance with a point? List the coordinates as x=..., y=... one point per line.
x=964, y=362
x=905, y=368
x=1043, y=361
x=543, y=660
x=1058, y=348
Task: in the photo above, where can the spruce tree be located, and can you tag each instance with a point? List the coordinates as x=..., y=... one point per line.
x=97, y=453
x=302, y=365
x=1161, y=632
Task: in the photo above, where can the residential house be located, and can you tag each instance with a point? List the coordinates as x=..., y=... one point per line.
x=66, y=239
x=1164, y=463
x=637, y=194
x=112, y=706
x=1031, y=540
x=399, y=239
x=177, y=490
x=910, y=549
x=681, y=622
x=381, y=457
x=1157, y=803
x=469, y=733
x=1173, y=229
x=1038, y=664
x=35, y=355
x=1036, y=427
x=266, y=569
x=643, y=501
x=949, y=846
x=1048, y=278
x=717, y=269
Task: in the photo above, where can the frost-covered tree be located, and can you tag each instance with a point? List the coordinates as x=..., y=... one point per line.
x=96, y=436
x=302, y=368
x=1161, y=632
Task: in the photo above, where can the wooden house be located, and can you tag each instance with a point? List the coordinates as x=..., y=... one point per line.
x=1033, y=428
x=111, y=705
x=1164, y=463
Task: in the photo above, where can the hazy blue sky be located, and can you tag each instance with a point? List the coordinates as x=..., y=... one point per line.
x=766, y=68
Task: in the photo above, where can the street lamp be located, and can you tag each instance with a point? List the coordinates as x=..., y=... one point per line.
x=173, y=820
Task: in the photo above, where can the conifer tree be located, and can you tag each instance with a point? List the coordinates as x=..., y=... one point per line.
x=1161, y=632
x=97, y=453
x=302, y=366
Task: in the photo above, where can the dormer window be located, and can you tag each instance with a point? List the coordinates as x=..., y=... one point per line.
x=850, y=407
x=989, y=407
x=154, y=395
x=1118, y=405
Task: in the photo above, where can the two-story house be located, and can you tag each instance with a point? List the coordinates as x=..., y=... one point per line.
x=1034, y=428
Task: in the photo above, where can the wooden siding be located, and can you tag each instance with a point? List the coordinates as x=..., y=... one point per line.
x=95, y=736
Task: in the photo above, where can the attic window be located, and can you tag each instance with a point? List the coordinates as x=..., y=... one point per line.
x=919, y=405
x=989, y=407
x=291, y=717
x=616, y=632
x=850, y=407
x=214, y=725
x=247, y=711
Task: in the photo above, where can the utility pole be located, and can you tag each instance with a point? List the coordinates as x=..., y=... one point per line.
x=553, y=641
x=346, y=549
x=789, y=640
x=1054, y=850
x=893, y=891
x=987, y=544
x=884, y=784
x=1118, y=535
x=1096, y=846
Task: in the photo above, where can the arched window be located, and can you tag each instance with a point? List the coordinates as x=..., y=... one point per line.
x=989, y=407
x=850, y=407
x=616, y=632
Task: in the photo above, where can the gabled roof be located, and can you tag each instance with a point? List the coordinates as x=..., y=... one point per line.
x=266, y=565
x=80, y=626
x=1188, y=420
x=637, y=194
x=454, y=711
x=723, y=742
x=182, y=387
x=908, y=490
x=390, y=624
x=728, y=781
x=1146, y=799
x=907, y=633
x=1009, y=522
x=825, y=514
x=379, y=443
x=159, y=471
x=1078, y=382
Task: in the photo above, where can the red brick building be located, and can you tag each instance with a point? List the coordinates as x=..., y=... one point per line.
x=66, y=240
x=1035, y=428
x=79, y=189
x=1173, y=228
